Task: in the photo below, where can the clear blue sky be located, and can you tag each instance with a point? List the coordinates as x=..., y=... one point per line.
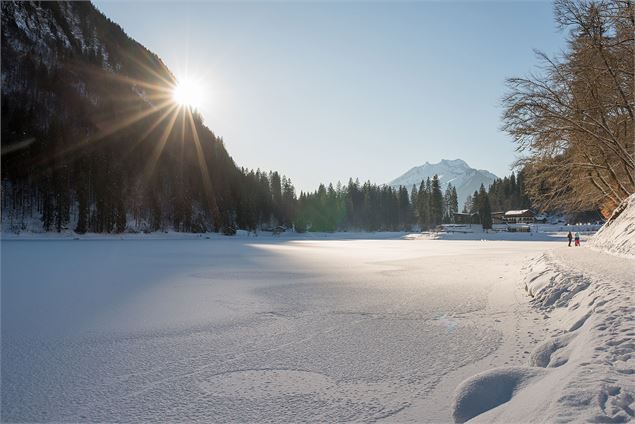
x=325, y=91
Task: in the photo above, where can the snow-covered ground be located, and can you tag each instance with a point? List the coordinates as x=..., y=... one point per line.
x=314, y=328
x=618, y=235
x=584, y=371
x=255, y=329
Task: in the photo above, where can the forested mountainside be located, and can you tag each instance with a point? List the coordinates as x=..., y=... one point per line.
x=92, y=141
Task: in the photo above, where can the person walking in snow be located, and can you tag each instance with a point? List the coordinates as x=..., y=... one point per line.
x=577, y=239
x=570, y=237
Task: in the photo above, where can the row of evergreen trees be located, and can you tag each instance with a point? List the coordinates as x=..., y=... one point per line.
x=367, y=207
x=478, y=205
x=509, y=193
x=371, y=207
x=432, y=206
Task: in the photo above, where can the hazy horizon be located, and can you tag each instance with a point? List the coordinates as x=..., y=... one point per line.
x=323, y=92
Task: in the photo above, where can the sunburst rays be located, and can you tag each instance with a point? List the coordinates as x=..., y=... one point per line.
x=202, y=163
x=135, y=109
x=150, y=100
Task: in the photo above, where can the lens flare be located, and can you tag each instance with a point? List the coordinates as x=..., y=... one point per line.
x=188, y=92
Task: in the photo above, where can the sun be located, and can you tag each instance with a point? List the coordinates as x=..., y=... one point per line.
x=188, y=92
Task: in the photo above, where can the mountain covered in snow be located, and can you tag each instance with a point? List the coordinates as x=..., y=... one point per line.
x=465, y=178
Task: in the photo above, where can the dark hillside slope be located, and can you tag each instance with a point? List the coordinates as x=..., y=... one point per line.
x=91, y=140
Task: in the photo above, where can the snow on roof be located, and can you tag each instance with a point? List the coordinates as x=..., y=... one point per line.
x=518, y=212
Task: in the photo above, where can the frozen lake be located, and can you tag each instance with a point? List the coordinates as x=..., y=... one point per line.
x=265, y=330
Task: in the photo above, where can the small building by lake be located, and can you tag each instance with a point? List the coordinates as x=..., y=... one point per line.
x=522, y=216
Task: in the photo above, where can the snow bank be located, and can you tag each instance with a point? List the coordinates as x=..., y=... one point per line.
x=552, y=285
x=584, y=371
x=617, y=236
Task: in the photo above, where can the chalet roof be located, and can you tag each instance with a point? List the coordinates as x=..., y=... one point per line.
x=520, y=212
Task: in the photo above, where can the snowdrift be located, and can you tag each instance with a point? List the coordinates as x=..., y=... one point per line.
x=552, y=284
x=617, y=236
x=488, y=390
x=585, y=371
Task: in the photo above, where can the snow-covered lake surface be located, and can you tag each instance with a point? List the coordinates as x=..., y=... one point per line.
x=244, y=330
x=259, y=329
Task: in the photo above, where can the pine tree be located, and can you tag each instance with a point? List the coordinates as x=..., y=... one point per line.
x=486, y=213
x=83, y=207
x=288, y=201
x=120, y=215
x=413, y=204
x=450, y=204
x=475, y=204
x=404, y=209
x=423, y=204
x=484, y=209
x=453, y=204
x=436, y=202
x=276, y=196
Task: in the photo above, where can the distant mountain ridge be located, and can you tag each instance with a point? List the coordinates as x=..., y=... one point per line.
x=457, y=172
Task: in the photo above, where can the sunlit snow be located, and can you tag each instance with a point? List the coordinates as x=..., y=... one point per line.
x=244, y=330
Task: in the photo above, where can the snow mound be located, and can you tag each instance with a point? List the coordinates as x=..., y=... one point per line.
x=488, y=390
x=551, y=353
x=617, y=236
x=584, y=371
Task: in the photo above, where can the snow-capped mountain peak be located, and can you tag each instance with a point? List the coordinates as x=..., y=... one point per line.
x=455, y=171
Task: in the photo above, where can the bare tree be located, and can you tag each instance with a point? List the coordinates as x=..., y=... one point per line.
x=574, y=120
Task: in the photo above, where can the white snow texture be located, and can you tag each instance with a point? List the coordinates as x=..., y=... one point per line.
x=617, y=236
x=583, y=372
x=318, y=328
